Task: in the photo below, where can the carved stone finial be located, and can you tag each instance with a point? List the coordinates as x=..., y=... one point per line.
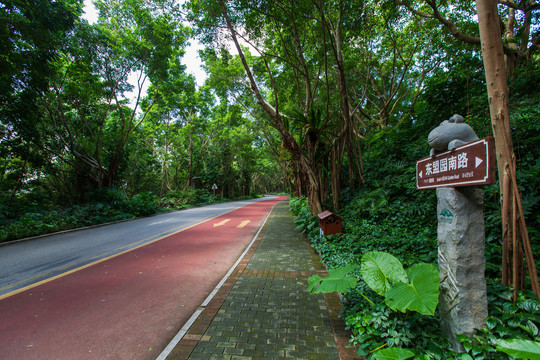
x=456, y=119
x=450, y=134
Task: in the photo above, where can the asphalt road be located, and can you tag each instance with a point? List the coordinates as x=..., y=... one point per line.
x=128, y=305
x=26, y=263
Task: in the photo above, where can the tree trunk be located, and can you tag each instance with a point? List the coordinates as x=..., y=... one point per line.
x=309, y=170
x=190, y=165
x=336, y=159
x=512, y=214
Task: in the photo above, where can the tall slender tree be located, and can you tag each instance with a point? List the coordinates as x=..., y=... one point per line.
x=515, y=234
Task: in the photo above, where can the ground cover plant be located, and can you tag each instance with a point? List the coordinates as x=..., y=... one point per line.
x=376, y=326
x=388, y=214
x=26, y=216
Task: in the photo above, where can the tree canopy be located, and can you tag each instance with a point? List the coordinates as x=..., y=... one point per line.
x=298, y=95
x=330, y=101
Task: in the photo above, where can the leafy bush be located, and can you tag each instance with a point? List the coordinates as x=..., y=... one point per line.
x=305, y=221
x=141, y=204
x=507, y=320
x=32, y=224
x=375, y=326
x=26, y=218
x=389, y=214
x=384, y=274
x=108, y=205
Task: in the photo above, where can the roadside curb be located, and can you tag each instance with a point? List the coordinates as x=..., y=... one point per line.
x=67, y=231
x=62, y=232
x=206, y=314
x=196, y=331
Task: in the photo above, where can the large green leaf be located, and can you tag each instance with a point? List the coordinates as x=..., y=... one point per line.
x=380, y=267
x=335, y=281
x=520, y=349
x=393, y=354
x=421, y=294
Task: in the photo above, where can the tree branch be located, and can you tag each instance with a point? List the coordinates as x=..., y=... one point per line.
x=454, y=31
x=451, y=26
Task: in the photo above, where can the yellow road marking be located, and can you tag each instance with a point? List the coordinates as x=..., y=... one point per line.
x=31, y=286
x=142, y=242
x=222, y=222
x=243, y=223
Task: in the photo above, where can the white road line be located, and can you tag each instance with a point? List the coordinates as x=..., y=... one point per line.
x=196, y=314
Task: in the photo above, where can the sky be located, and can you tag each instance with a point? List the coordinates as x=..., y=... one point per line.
x=191, y=58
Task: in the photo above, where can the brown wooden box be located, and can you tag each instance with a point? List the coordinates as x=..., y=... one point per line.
x=330, y=223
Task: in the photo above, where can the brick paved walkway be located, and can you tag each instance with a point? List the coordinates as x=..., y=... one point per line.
x=264, y=311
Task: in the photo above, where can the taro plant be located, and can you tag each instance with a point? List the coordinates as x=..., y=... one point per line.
x=520, y=348
x=394, y=354
x=414, y=289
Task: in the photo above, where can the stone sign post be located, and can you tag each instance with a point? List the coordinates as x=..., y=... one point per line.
x=460, y=231
x=462, y=263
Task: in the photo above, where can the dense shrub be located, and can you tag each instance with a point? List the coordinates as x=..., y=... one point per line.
x=389, y=214
x=375, y=326
x=179, y=199
x=27, y=217
x=37, y=223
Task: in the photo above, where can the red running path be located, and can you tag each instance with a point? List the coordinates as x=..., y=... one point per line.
x=131, y=305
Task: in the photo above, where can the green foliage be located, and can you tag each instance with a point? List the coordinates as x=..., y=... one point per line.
x=337, y=280
x=506, y=320
x=179, y=199
x=28, y=217
x=390, y=208
x=416, y=289
x=377, y=326
x=373, y=222
x=520, y=349
x=393, y=354
x=74, y=124
x=457, y=89
x=388, y=214
x=305, y=221
x=381, y=211
x=31, y=35
x=108, y=205
x=524, y=114
x=420, y=294
x=142, y=204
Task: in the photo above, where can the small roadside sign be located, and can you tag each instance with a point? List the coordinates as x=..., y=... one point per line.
x=214, y=188
x=467, y=165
